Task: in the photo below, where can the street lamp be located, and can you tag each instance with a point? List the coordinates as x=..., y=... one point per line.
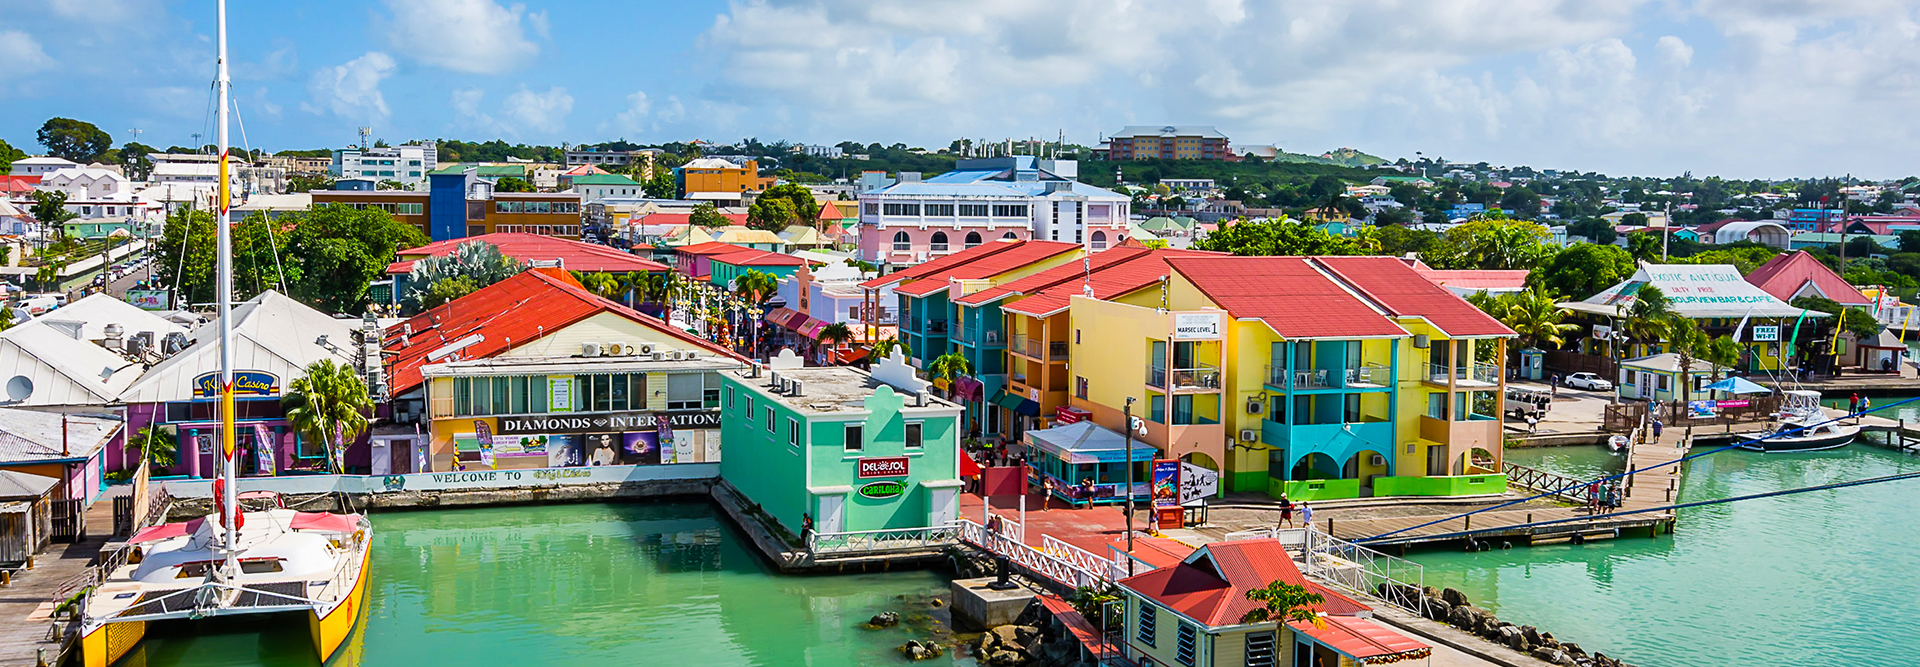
x=1127, y=425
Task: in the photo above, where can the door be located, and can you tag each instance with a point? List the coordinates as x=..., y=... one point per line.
x=382, y=454
x=832, y=515
x=944, y=506
x=1436, y=461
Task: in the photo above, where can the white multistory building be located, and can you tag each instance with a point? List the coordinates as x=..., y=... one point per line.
x=407, y=165
x=986, y=200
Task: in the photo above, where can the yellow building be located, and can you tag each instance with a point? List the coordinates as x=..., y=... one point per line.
x=716, y=175
x=1312, y=377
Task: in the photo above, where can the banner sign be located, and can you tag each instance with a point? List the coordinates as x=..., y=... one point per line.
x=483, y=434
x=559, y=393
x=148, y=299
x=1166, y=483
x=1190, y=326
x=1741, y=403
x=1701, y=409
x=1197, y=483
x=1767, y=334
x=263, y=448
x=883, y=466
x=882, y=490
x=1602, y=332
x=245, y=383
x=618, y=421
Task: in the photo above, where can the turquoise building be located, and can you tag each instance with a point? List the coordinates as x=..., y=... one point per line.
x=849, y=450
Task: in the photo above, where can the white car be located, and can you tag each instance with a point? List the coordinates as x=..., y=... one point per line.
x=1588, y=381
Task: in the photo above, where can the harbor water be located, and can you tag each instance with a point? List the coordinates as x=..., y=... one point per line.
x=1820, y=578
x=608, y=584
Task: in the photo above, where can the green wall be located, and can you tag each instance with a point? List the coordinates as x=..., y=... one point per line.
x=1461, y=485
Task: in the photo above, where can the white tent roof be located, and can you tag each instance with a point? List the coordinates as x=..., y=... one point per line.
x=1696, y=291
x=43, y=365
x=271, y=333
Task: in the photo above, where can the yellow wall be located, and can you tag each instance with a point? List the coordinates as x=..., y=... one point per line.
x=740, y=179
x=1111, y=348
x=604, y=327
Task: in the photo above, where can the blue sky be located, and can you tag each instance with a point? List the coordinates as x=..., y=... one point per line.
x=1743, y=88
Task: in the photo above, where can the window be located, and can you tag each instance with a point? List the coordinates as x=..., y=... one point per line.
x=1184, y=650
x=870, y=209
x=686, y=391
x=1009, y=210
x=939, y=241
x=901, y=209
x=1148, y=614
x=729, y=398
x=793, y=432
x=944, y=210
x=901, y=243
x=1079, y=387
x=855, y=434
x=1008, y=235
x=913, y=435
x=769, y=410
x=462, y=398
x=973, y=210
x=749, y=401
x=1099, y=240
x=973, y=239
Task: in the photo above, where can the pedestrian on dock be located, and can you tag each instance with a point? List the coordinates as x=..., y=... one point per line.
x=1046, y=497
x=1656, y=430
x=1866, y=405
x=1286, y=512
x=1853, y=404
x=1306, y=515
x=806, y=528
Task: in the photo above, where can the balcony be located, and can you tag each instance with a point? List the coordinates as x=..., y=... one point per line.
x=1369, y=376
x=1202, y=377
x=1365, y=377
x=1481, y=431
x=1034, y=349
x=1477, y=375
x=936, y=327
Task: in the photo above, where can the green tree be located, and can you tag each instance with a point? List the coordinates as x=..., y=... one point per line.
x=1393, y=217
x=1398, y=241
x=1269, y=237
x=512, y=184
x=329, y=405
x=1685, y=338
x=134, y=161
x=1584, y=269
x=756, y=286
x=661, y=186
x=1723, y=352
x=949, y=367
x=705, y=215
x=478, y=261
x=1643, y=247
x=1533, y=313
x=1645, y=320
x=304, y=183
x=781, y=206
x=1596, y=230
x=603, y=284
x=444, y=291
x=1521, y=201
x=8, y=154
x=1493, y=244
x=886, y=347
x=1635, y=219
x=330, y=254
x=50, y=207
x=1856, y=320
x=1745, y=256
x=156, y=446
x=836, y=334
x=74, y=140
x=1281, y=602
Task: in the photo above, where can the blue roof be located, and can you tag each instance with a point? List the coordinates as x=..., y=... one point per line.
x=963, y=176
x=976, y=189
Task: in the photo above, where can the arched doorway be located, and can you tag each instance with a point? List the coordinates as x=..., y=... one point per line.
x=1099, y=240
x=1316, y=465
x=1365, y=465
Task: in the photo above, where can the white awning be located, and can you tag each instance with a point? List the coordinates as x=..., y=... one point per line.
x=1696, y=291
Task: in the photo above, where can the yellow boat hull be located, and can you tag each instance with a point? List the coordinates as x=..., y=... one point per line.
x=108, y=643
x=334, y=628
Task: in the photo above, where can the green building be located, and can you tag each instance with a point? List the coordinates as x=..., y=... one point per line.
x=852, y=451
x=722, y=269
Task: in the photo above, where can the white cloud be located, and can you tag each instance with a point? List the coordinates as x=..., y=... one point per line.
x=22, y=54
x=546, y=112
x=1675, y=51
x=94, y=11
x=541, y=27
x=467, y=114
x=475, y=36
x=352, y=89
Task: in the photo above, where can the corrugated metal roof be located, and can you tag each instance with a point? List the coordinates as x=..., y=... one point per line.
x=1289, y=294
x=1111, y=273
x=60, y=369
x=1785, y=275
x=271, y=333
x=1210, y=585
x=31, y=435
x=943, y=266
x=1404, y=292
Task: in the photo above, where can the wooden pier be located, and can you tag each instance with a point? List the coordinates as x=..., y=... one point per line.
x=26, y=603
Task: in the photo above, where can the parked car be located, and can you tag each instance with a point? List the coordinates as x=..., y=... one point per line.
x=1588, y=381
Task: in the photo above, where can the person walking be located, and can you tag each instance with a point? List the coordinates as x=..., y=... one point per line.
x=1306, y=515
x=1286, y=512
x=1656, y=430
x=1853, y=403
x=1866, y=405
x=1046, y=497
x=806, y=528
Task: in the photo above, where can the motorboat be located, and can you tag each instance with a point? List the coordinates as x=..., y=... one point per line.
x=280, y=560
x=1617, y=444
x=1804, y=427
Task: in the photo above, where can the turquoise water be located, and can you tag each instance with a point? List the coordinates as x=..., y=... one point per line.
x=1821, y=578
x=618, y=584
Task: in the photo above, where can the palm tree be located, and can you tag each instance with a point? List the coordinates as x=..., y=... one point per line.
x=1535, y=314
x=948, y=367
x=633, y=283
x=1643, y=247
x=1723, y=353
x=156, y=447
x=1685, y=339
x=329, y=405
x=1281, y=602
x=1645, y=319
x=836, y=334
x=756, y=286
x=887, y=347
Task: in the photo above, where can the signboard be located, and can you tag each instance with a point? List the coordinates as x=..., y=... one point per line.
x=883, y=466
x=245, y=383
x=148, y=299
x=559, y=393
x=1740, y=403
x=1701, y=409
x=1196, y=326
x=483, y=434
x=1602, y=332
x=263, y=448
x=1197, y=483
x=1166, y=483
x=613, y=421
x=1766, y=334
x=882, y=490
x=1067, y=414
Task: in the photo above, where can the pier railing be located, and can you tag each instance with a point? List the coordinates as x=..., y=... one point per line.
x=882, y=541
x=1626, y=416
x=1058, y=569
x=1540, y=481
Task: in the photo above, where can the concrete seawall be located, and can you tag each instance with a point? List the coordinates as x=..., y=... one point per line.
x=194, y=498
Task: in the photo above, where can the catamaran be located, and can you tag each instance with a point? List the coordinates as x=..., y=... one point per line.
x=230, y=562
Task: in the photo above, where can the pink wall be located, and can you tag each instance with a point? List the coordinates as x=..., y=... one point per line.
x=876, y=245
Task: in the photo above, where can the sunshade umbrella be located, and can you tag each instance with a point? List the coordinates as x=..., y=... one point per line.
x=1738, y=385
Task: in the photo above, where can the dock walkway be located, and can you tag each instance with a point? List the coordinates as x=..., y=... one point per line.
x=26, y=605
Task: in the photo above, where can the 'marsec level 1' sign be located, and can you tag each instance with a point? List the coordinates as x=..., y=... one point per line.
x=883, y=466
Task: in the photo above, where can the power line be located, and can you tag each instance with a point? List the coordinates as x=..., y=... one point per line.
x=1777, y=434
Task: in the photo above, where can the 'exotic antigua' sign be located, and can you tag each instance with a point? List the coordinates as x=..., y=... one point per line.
x=598, y=423
x=245, y=383
x=883, y=489
x=883, y=466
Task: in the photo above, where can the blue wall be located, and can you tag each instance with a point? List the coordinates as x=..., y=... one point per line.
x=447, y=206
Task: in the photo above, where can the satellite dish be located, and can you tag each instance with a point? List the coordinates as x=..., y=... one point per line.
x=19, y=388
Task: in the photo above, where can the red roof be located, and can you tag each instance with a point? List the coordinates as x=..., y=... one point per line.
x=1785, y=276
x=515, y=311
x=573, y=255
x=1289, y=294
x=758, y=258
x=1363, y=639
x=664, y=218
x=1111, y=273
x=1404, y=293
x=997, y=256
x=710, y=248
x=1211, y=585
x=20, y=184
x=1476, y=279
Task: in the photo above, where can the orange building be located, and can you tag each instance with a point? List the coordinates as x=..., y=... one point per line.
x=710, y=175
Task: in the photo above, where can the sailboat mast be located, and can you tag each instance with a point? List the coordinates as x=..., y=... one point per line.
x=223, y=286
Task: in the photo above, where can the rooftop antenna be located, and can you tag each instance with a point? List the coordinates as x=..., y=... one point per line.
x=136, y=135
x=197, y=148
x=365, y=132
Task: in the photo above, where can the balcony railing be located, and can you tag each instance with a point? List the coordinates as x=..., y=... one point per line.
x=937, y=327
x=1379, y=376
x=1320, y=378
x=1485, y=373
x=1199, y=377
x=964, y=334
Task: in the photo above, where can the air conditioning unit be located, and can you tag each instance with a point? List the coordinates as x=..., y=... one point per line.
x=1420, y=341
x=1255, y=407
x=644, y=348
x=799, y=388
x=1249, y=435
x=590, y=349
x=674, y=355
x=692, y=355
x=659, y=356
x=616, y=349
x=1379, y=460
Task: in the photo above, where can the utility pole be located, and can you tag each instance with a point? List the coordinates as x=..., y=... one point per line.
x=1843, y=235
x=1128, y=426
x=1666, y=231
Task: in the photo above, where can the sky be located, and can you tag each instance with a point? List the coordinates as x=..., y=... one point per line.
x=1737, y=88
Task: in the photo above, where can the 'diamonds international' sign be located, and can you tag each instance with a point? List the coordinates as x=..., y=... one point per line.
x=606, y=422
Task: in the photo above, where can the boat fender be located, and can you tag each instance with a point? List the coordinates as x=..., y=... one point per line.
x=1577, y=539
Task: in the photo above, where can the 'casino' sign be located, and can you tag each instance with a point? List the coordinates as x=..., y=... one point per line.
x=245, y=383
